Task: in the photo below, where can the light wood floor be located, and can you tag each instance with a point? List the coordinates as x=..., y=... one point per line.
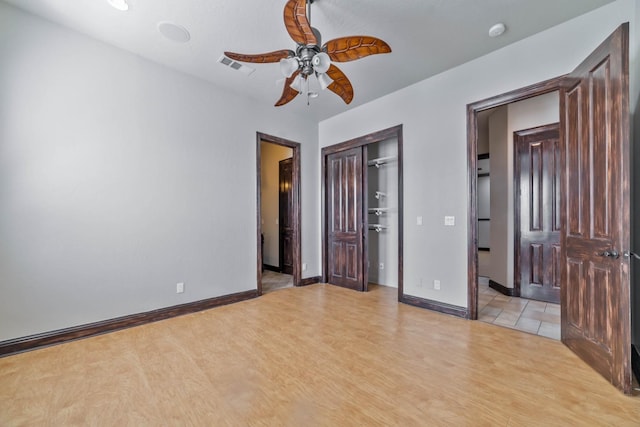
x=318, y=355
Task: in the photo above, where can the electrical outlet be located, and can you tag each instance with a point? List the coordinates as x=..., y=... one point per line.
x=419, y=220
x=436, y=285
x=179, y=288
x=381, y=266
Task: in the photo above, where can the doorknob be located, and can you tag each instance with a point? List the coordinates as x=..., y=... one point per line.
x=611, y=253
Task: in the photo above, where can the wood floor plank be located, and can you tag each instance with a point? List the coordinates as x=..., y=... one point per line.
x=318, y=355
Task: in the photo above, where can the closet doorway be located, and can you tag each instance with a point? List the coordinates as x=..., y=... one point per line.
x=362, y=211
x=278, y=213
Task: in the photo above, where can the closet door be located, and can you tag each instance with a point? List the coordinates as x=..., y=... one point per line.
x=345, y=212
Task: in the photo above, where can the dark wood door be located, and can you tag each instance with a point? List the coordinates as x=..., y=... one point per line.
x=594, y=126
x=538, y=183
x=285, y=220
x=345, y=218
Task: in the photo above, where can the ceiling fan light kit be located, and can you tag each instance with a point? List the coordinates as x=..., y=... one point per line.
x=311, y=58
x=288, y=66
x=324, y=81
x=321, y=62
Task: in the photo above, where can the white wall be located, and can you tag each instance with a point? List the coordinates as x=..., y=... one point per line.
x=484, y=211
x=499, y=199
x=483, y=137
x=484, y=199
x=120, y=178
x=270, y=156
x=433, y=113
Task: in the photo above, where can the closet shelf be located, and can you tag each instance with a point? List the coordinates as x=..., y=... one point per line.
x=380, y=194
x=377, y=227
x=378, y=211
x=381, y=161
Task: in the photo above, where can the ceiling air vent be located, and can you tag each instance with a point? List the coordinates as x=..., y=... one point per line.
x=235, y=65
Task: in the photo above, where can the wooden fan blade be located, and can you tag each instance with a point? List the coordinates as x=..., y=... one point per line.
x=261, y=58
x=346, y=49
x=288, y=93
x=341, y=85
x=298, y=27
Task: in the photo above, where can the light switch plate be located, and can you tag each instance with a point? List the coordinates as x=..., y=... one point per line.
x=449, y=220
x=419, y=220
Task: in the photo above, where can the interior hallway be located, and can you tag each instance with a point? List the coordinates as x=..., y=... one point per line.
x=330, y=356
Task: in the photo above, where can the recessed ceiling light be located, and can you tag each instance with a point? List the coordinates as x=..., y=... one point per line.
x=497, y=30
x=119, y=4
x=174, y=32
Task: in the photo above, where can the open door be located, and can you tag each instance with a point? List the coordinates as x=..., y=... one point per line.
x=285, y=215
x=345, y=219
x=594, y=131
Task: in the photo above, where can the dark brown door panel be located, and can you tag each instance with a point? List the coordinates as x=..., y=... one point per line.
x=594, y=131
x=538, y=182
x=345, y=212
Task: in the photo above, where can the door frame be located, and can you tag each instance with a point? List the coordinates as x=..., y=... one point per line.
x=473, y=109
x=363, y=141
x=517, y=219
x=297, y=210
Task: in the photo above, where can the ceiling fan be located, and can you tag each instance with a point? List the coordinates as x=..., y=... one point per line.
x=311, y=59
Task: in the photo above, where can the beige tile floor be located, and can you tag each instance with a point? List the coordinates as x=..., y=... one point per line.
x=534, y=317
x=272, y=281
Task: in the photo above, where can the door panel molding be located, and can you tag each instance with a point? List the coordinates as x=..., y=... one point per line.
x=594, y=127
x=296, y=244
x=346, y=208
x=537, y=195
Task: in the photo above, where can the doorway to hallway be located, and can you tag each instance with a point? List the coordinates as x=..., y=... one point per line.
x=278, y=213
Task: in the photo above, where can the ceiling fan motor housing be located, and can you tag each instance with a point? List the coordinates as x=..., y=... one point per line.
x=305, y=55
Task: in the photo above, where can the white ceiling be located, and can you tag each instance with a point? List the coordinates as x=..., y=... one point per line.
x=427, y=37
